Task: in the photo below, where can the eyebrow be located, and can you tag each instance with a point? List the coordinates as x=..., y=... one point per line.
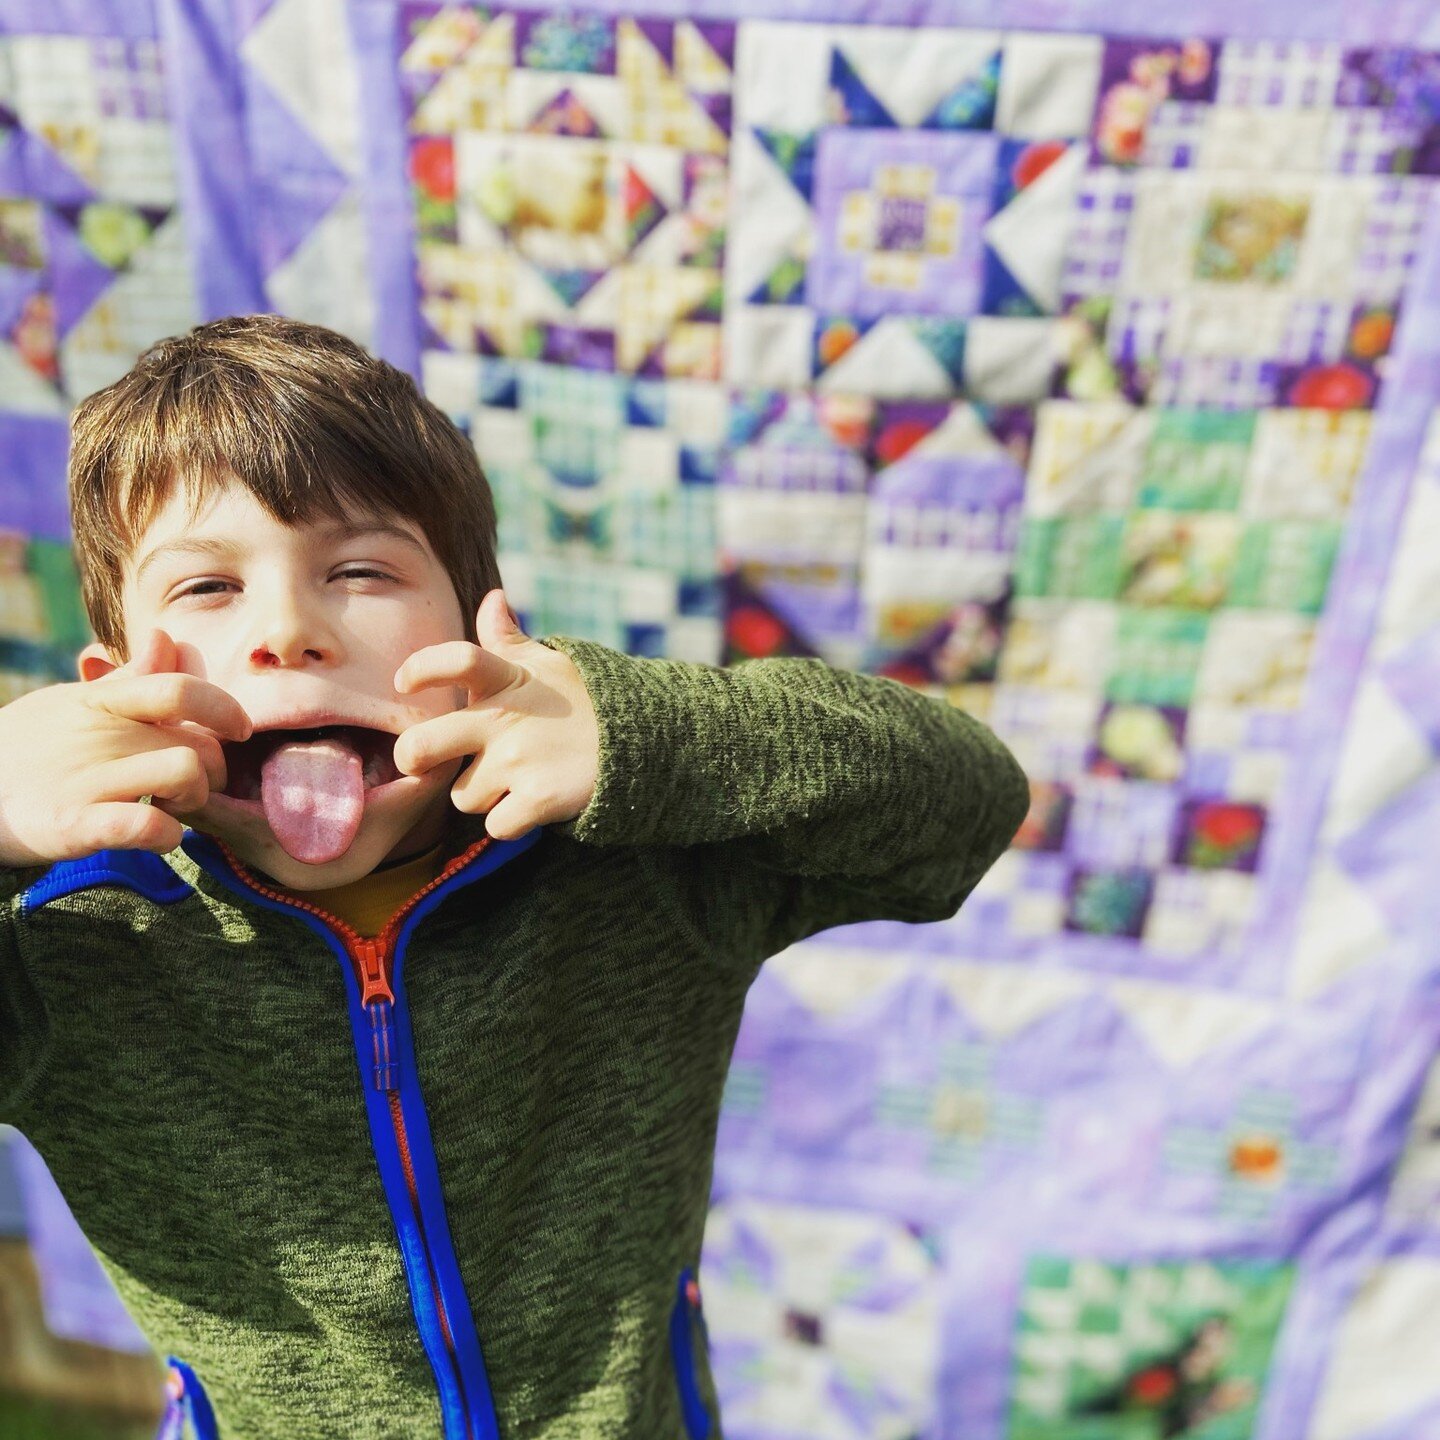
x=216, y=545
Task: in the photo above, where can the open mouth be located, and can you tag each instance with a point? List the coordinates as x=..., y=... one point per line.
x=244, y=759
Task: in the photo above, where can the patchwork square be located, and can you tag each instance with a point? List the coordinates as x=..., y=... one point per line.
x=900, y=218
x=1099, y=1343
x=569, y=177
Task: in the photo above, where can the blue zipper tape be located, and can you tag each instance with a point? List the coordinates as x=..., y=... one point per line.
x=683, y=1324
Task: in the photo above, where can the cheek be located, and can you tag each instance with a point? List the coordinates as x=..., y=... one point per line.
x=429, y=626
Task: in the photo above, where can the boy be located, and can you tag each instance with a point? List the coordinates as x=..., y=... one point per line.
x=386, y=1089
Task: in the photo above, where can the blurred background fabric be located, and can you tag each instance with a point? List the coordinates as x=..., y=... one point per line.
x=1076, y=362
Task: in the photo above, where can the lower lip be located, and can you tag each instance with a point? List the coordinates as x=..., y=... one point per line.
x=375, y=796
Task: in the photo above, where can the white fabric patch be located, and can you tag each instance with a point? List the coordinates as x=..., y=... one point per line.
x=1383, y=1364
x=1009, y=362
x=1048, y=85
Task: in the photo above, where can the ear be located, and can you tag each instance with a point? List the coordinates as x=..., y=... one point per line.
x=94, y=661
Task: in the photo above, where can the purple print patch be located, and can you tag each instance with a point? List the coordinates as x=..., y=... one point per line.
x=899, y=217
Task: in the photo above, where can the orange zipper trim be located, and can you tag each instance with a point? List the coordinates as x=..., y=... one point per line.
x=403, y=1140
x=356, y=944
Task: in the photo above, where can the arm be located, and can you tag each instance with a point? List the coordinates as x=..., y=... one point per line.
x=790, y=796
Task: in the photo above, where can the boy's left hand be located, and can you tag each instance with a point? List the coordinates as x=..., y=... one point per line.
x=529, y=723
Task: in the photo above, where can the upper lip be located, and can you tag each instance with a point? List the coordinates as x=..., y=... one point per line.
x=316, y=719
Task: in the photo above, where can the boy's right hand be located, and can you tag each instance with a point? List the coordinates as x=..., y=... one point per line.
x=75, y=759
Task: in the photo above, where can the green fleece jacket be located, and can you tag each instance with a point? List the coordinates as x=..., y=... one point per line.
x=451, y=1183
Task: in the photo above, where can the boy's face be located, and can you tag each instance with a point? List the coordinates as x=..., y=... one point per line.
x=298, y=623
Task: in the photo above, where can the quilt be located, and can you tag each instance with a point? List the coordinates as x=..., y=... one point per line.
x=1074, y=362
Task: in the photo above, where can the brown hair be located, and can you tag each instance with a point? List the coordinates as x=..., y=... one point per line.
x=311, y=424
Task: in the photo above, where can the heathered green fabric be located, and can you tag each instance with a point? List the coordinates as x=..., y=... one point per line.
x=187, y=1070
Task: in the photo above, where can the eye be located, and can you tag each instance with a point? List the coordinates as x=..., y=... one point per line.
x=204, y=587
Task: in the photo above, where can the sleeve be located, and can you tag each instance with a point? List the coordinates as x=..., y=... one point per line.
x=23, y=1024
x=784, y=796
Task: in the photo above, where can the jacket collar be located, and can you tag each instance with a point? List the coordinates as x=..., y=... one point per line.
x=201, y=863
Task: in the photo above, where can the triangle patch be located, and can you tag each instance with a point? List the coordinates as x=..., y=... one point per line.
x=1002, y=1003
x=643, y=210
x=673, y=115
x=831, y=982
x=836, y=337
x=971, y=105
x=443, y=40
x=704, y=55
x=79, y=275
x=856, y=103
x=279, y=47
x=573, y=285
x=887, y=362
x=1182, y=1025
x=945, y=340
x=795, y=155
x=1001, y=292
x=27, y=391
x=565, y=115
x=48, y=174
x=1028, y=235
x=285, y=147
x=784, y=285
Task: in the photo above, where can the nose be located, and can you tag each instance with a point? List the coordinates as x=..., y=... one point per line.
x=264, y=655
x=289, y=636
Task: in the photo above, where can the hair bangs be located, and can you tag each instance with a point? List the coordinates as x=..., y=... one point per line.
x=305, y=420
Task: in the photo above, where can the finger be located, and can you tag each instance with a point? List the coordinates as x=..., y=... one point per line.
x=478, y=789
x=431, y=742
x=456, y=662
x=176, y=775
x=206, y=746
x=129, y=827
x=510, y=818
x=158, y=654
x=168, y=698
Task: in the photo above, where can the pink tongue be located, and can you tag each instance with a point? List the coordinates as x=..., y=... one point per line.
x=313, y=794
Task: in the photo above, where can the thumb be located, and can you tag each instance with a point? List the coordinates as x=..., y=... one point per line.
x=494, y=624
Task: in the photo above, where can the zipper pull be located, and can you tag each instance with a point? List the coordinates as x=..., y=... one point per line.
x=374, y=982
x=379, y=1002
